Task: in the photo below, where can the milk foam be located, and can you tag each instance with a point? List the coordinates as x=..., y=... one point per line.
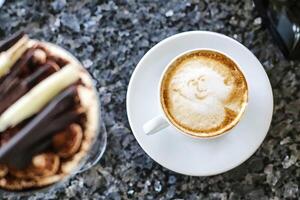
x=197, y=93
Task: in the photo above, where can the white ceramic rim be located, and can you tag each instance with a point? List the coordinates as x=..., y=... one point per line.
x=159, y=92
x=174, y=37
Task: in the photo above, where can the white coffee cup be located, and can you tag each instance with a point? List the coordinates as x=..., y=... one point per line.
x=162, y=121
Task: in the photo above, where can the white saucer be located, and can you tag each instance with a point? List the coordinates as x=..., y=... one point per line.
x=181, y=153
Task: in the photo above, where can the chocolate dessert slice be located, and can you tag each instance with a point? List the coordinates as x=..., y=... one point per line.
x=48, y=113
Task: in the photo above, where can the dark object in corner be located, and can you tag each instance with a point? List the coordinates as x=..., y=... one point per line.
x=6, y=44
x=282, y=17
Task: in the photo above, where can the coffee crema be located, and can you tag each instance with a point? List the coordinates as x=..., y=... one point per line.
x=204, y=93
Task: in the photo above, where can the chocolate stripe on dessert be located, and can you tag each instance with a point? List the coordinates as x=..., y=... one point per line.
x=50, y=120
x=33, y=101
x=6, y=44
x=18, y=88
x=20, y=68
x=43, y=72
x=33, y=59
x=17, y=91
x=10, y=57
x=19, y=71
x=22, y=156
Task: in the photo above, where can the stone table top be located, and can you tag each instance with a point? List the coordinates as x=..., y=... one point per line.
x=110, y=37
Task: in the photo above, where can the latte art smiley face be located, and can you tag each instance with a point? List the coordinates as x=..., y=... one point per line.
x=196, y=83
x=204, y=93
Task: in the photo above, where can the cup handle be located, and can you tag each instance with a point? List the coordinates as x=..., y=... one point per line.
x=155, y=125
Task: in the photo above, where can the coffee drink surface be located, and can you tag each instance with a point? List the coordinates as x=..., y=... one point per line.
x=204, y=93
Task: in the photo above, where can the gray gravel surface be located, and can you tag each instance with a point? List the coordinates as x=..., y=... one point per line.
x=110, y=37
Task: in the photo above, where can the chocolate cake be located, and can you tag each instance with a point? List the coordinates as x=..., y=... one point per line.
x=48, y=113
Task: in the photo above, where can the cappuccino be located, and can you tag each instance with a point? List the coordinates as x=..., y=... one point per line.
x=204, y=93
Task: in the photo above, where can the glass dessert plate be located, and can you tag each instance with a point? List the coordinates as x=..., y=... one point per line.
x=98, y=144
